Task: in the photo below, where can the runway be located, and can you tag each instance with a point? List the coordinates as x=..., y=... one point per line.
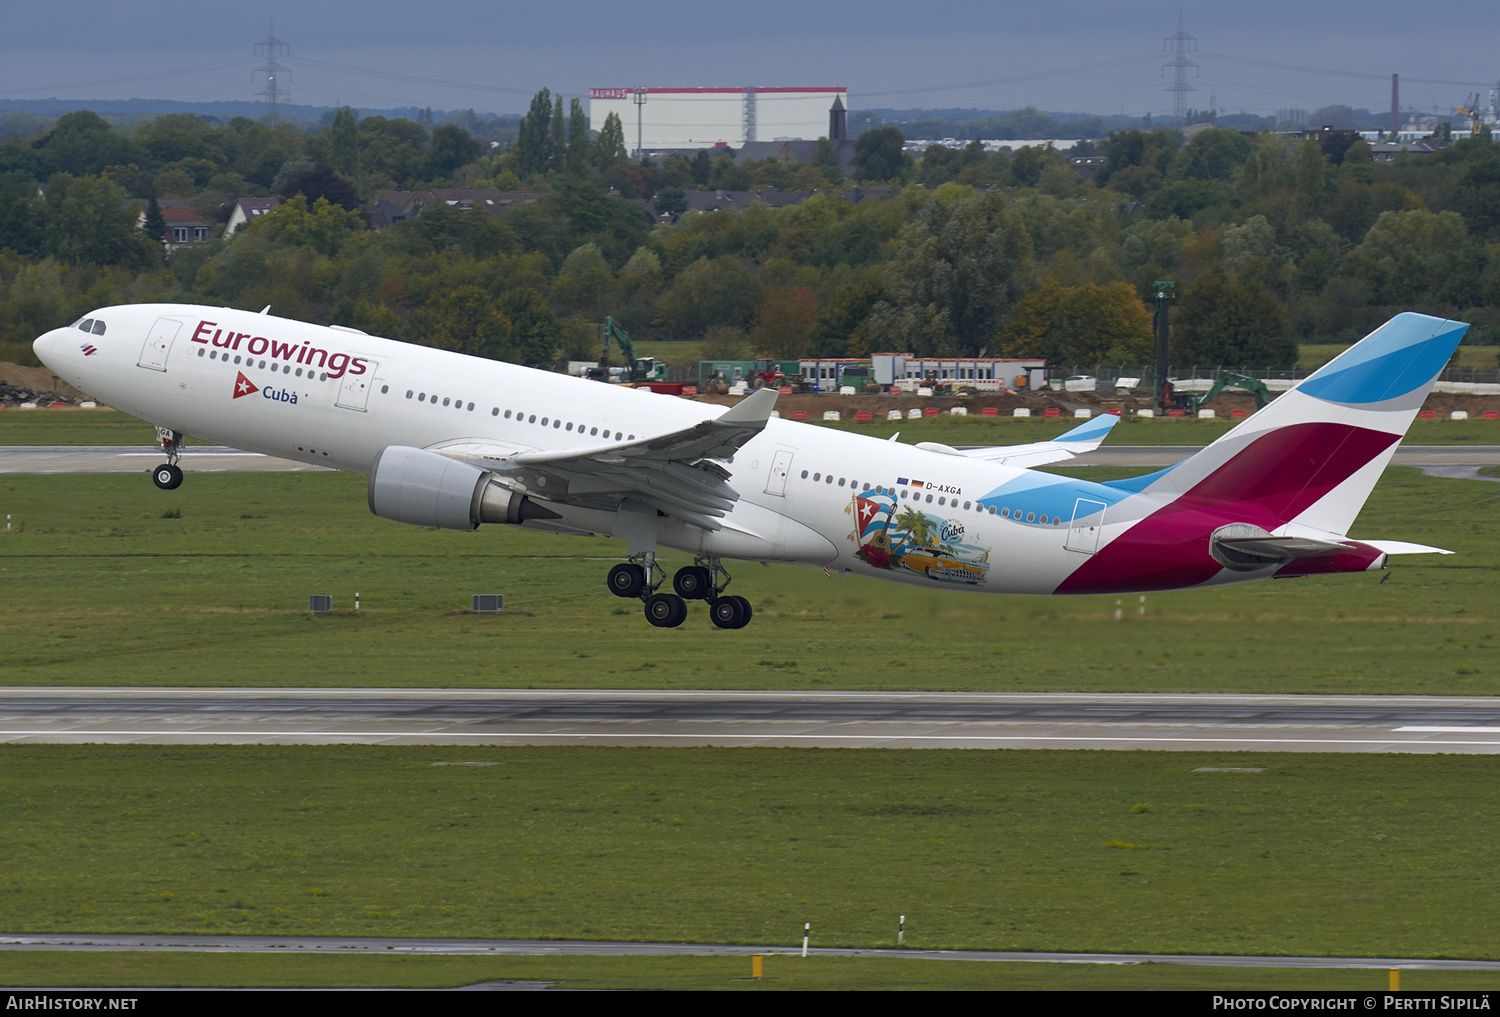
x=465, y=717
x=45, y=459
x=574, y=948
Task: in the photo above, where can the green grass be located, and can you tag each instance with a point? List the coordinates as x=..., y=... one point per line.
x=73, y=427
x=1338, y=854
x=110, y=427
x=692, y=973
x=115, y=582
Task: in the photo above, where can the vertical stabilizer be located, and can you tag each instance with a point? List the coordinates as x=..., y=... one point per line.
x=1313, y=455
x=1278, y=493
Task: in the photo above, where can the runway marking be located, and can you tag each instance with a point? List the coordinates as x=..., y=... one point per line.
x=1452, y=730
x=1331, y=740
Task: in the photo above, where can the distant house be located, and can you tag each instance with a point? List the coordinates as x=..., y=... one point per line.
x=392, y=206
x=1087, y=165
x=184, y=226
x=720, y=201
x=1385, y=151
x=789, y=151
x=246, y=211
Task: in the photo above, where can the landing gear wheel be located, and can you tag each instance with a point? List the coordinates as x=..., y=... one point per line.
x=666, y=610
x=745, y=607
x=167, y=476
x=726, y=613
x=627, y=580
x=729, y=612
x=693, y=582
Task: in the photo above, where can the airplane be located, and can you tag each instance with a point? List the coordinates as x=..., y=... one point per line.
x=455, y=441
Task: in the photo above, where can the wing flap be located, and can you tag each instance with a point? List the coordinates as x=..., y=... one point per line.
x=674, y=473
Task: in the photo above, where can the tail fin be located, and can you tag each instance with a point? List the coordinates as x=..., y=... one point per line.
x=1278, y=493
x=1311, y=458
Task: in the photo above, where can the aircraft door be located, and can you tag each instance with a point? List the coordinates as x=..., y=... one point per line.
x=159, y=343
x=781, y=468
x=354, y=389
x=1088, y=521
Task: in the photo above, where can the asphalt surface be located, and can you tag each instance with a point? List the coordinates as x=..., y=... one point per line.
x=561, y=948
x=465, y=717
x=42, y=459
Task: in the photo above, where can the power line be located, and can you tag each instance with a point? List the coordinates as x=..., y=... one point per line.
x=1055, y=72
x=392, y=76
x=1276, y=65
x=176, y=72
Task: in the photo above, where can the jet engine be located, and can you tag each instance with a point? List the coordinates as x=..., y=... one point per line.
x=412, y=485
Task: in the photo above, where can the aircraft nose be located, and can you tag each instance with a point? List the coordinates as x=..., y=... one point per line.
x=45, y=346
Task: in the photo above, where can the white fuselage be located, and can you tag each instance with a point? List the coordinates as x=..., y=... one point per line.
x=337, y=397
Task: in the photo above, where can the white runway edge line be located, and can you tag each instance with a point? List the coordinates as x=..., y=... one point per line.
x=721, y=735
x=1450, y=730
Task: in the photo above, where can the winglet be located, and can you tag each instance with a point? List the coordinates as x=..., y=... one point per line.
x=755, y=409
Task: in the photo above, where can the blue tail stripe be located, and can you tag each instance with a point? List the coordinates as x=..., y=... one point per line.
x=1399, y=358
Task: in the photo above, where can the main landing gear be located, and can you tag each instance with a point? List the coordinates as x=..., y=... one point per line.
x=705, y=579
x=168, y=476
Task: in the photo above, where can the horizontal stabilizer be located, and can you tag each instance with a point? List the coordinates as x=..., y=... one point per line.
x=1086, y=437
x=1403, y=547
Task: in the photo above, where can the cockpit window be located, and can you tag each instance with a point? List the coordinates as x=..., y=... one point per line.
x=98, y=326
x=85, y=324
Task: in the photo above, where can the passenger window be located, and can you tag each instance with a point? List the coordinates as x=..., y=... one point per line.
x=408, y=393
x=471, y=407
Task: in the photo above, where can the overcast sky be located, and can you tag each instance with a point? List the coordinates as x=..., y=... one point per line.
x=1098, y=56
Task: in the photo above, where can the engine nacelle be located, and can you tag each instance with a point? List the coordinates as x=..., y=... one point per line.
x=412, y=485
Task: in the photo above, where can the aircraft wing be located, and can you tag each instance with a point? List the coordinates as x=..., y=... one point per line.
x=675, y=473
x=1083, y=438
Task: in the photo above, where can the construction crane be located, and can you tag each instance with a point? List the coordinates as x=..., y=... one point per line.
x=637, y=369
x=1471, y=109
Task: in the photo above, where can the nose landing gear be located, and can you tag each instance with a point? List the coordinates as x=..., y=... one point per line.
x=168, y=476
x=705, y=580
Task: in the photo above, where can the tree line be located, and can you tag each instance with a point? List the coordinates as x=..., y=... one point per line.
x=1271, y=239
